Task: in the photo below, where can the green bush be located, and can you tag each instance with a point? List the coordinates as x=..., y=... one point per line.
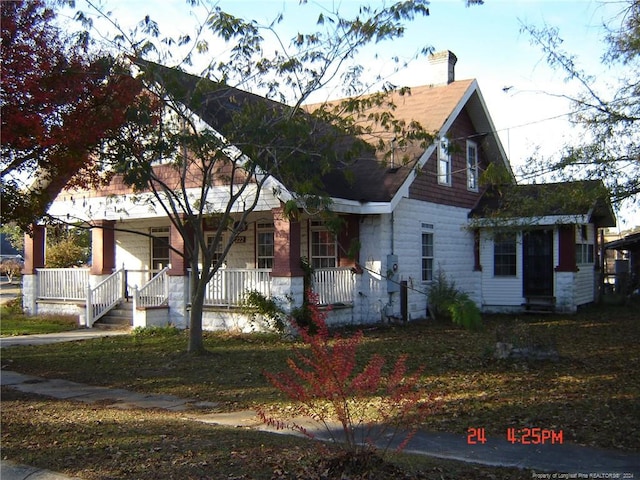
x=465, y=312
x=168, y=331
x=446, y=301
x=256, y=303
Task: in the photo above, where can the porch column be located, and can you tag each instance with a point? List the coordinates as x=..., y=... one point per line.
x=567, y=249
x=34, y=258
x=103, y=247
x=178, y=280
x=177, y=262
x=350, y=233
x=286, y=240
x=287, y=275
x=34, y=249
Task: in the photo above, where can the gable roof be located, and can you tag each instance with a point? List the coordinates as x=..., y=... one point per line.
x=369, y=178
x=435, y=108
x=546, y=203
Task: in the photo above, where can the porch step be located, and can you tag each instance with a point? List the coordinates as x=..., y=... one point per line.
x=540, y=304
x=120, y=317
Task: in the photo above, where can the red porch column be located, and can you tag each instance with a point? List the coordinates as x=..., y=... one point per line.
x=34, y=250
x=567, y=249
x=177, y=261
x=350, y=233
x=103, y=247
x=286, y=239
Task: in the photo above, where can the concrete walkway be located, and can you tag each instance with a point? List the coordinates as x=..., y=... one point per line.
x=49, y=338
x=552, y=458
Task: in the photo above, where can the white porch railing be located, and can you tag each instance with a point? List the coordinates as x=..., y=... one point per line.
x=63, y=283
x=229, y=285
x=104, y=296
x=334, y=285
x=154, y=293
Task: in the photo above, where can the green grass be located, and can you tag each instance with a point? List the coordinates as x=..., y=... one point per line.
x=12, y=323
x=592, y=393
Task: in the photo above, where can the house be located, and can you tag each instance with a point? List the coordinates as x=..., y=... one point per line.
x=411, y=211
x=538, y=245
x=624, y=266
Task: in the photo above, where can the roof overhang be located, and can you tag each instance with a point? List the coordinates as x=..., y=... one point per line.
x=530, y=222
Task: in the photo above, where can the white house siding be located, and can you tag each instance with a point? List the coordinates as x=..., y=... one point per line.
x=133, y=249
x=585, y=278
x=453, y=251
x=499, y=293
x=371, y=295
x=585, y=285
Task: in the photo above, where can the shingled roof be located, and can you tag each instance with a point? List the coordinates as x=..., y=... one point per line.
x=369, y=178
x=374, y=178
x=579, y=198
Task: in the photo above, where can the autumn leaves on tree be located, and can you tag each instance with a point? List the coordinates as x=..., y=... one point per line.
x=59, y=103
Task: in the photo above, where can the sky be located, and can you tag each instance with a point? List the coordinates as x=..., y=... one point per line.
x=521, y=92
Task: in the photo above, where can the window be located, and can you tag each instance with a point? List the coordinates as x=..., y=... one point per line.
x=159, y=247
x=427, y=255
x=264, y=245
x=444, y=162
x=472, y=166
x=504, y=255
x=217, y=254
x=584, y=253
x=323, y=247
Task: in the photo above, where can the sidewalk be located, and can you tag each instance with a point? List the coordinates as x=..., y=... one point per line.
x=69, y=336
x=552, y=458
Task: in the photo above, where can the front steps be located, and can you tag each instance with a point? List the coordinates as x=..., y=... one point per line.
x=118, y=318
x=540, y=304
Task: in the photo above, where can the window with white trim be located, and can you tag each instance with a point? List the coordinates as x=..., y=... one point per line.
x=323, y=247
x=264, y=245
x=584, y=253
x=444, y=162
x=217, y=254
x=504, y=255
x=427, y=252
x=159, y=247
x=472, y=166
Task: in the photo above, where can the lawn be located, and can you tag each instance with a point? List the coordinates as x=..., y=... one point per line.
x=13, y=322
x=21, y=325
x=591, y=393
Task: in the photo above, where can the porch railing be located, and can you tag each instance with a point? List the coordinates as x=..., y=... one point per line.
x=334, y=285
x=228, y=287
x=154, y=293
x=104, y=296
x=63, y=283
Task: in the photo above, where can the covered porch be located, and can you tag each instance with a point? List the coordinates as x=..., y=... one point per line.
x=137, y=266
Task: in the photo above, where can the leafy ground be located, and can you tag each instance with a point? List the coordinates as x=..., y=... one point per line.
x=591, y=394
x=94, y=442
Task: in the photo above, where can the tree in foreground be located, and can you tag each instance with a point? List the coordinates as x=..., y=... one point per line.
x=608, y=114
x=365, y=410
x=57, y=102
x=200, y=150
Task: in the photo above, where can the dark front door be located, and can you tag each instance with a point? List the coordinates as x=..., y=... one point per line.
x=538, y=263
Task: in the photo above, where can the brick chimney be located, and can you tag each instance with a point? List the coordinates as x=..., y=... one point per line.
x=443, y=70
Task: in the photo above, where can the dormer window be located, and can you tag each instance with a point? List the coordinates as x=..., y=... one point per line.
x=444, y=162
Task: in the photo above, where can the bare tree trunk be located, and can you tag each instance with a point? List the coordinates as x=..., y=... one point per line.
x=198, y=288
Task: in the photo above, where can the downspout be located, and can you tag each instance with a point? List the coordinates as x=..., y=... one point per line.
x=389, y=305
